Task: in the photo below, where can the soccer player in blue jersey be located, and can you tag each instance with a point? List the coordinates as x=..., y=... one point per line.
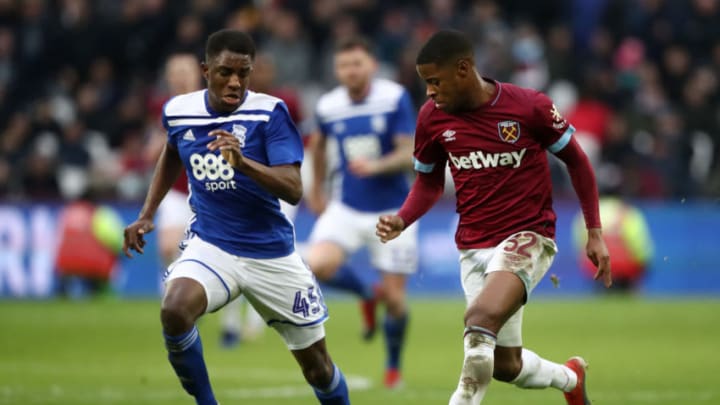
x=373, y=121
x=242, y=153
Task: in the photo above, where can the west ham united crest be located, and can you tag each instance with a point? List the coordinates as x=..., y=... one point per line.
x=509, y=131
x=239, y=132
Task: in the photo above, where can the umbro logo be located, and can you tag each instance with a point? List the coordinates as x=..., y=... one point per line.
x=448, y=135
x=189, y=135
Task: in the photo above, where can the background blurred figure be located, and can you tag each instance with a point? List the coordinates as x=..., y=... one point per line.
x=628, y=240
x=90, y=243
x=373, y=122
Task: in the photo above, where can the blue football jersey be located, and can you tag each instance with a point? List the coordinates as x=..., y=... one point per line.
x=367, y=129
x=231, y=210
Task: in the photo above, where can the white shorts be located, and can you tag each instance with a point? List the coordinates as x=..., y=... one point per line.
x=527, y=254
x=353, y=229
x=282, y=290
x=174, y=210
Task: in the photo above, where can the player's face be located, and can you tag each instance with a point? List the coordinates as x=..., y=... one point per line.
x=228, y=78
x=444, y=85
x=354, y=68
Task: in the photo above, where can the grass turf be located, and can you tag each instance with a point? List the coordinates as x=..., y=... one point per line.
x=111, y=352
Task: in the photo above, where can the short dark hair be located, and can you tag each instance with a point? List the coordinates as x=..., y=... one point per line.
x=231, y=40
x=352, y=42
x=446, y=46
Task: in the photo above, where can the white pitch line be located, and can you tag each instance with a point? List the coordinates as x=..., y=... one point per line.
x=354, y=382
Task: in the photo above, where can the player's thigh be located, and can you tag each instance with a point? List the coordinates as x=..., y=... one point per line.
x=526, y=254
x=214, y=269
x=473, y=264
x=398, y=256
x=473, y=273
x=284, y=292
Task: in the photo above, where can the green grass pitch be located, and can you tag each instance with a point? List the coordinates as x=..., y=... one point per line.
x=111, y=352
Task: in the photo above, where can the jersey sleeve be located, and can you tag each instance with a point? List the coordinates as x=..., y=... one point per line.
x=164, y=120
x=283, y=142
x=403, y=119
x=428, y=155
x=552, y=130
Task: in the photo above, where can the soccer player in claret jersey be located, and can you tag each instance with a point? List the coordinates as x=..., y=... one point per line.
x=495, y=137
x=372, y=120
x=242, y=152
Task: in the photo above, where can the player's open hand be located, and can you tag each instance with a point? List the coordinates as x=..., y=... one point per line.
x=229, y=146
x=134, y=237
x=597, y=252
x=389, y=227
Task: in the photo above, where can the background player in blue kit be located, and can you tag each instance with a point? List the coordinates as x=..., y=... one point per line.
x=242, y=152
x=373, y=122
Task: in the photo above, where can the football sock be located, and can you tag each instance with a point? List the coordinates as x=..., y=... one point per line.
x=477, y=368
x=537, y=372
x=186, y=356
x=394, y=338
x=346, y=279
x=336, y=393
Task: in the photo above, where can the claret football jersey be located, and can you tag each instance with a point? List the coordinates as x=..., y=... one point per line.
x=498, y=160
x=231, y=210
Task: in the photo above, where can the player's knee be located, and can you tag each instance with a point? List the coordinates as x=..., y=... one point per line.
x=318, y=374
x=484, y=319
x=322, y=269
x=177, y=316
x=506, y=370
x=395, y=303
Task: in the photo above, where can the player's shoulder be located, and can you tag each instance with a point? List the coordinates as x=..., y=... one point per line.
x=336, y=98
x=525, y=95
x=426, y=110
x=260, y=102
x=188, y=104
x=386, y=89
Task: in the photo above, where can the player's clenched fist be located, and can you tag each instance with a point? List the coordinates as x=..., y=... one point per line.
x=389, y=227
x=229, y=147
x=134, y=236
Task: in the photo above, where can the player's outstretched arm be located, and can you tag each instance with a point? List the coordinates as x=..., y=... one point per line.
x=282, y=181
x=425, y=191
x=598, y=254
x=583, y=180
x=317, y=200
x=166, y=172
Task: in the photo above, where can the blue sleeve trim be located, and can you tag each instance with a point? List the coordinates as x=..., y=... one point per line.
x=563, y=141
x=423, y=167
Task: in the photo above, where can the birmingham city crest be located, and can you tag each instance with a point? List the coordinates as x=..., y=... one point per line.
x=239, y=132
x=509, y=131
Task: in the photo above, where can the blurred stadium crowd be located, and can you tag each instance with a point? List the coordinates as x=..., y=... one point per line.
x=81, y=81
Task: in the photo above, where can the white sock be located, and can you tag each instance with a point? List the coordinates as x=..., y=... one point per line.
x=537, y=372
x=477, y=369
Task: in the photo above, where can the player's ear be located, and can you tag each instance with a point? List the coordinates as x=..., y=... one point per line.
x=463, y=67
x=205, y=69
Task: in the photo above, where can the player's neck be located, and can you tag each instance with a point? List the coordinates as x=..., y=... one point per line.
x=360, y=93
x=484, y=92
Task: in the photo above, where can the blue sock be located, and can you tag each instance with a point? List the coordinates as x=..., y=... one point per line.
x=346, y=279
x=336, y=393
x=186, y=356
x=394, y=338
